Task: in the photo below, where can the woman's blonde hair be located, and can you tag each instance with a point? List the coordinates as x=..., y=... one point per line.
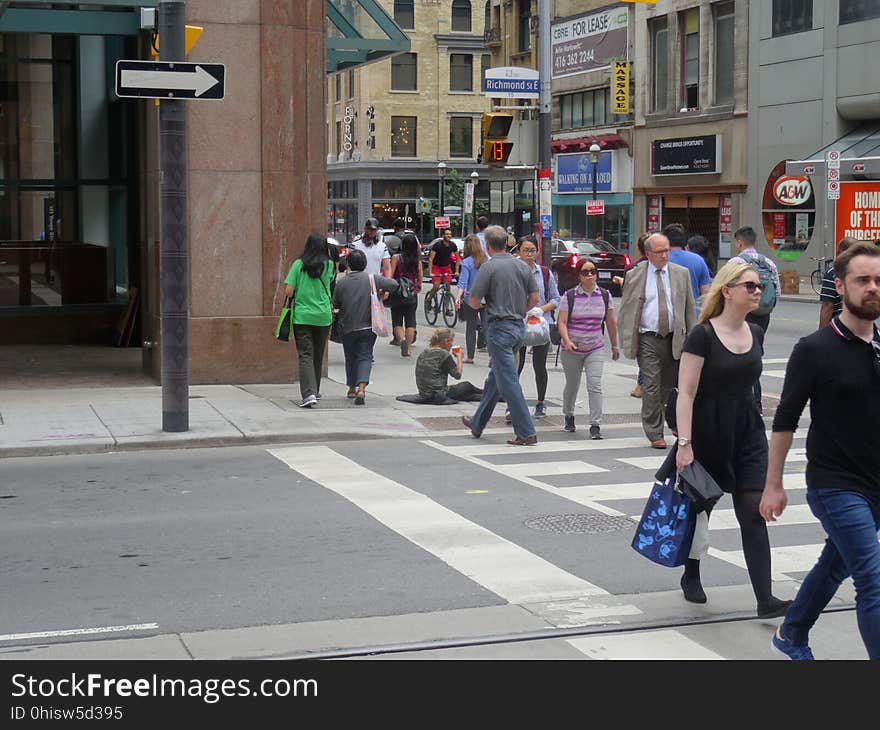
x=442, y=335
x=474, y=249
x=713, y=302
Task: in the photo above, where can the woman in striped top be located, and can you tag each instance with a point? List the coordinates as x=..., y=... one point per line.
x=582, y=333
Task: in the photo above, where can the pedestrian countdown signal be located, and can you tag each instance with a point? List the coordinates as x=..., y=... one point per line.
x=496, y=147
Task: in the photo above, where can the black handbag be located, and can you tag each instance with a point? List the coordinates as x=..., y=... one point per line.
x=669, y=410
x=699, y=485
x=335, y=333
x=405, y=293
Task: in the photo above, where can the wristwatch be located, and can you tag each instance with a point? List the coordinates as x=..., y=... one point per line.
x=682, y=441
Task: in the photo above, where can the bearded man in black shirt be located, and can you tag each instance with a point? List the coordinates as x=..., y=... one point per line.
x=837, y=369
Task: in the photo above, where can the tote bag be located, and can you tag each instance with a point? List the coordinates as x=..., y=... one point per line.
x=378, y=320
x=666, y=530
x=284, y=328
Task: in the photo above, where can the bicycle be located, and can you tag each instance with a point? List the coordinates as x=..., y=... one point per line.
x=817, y=274
x=441, y=299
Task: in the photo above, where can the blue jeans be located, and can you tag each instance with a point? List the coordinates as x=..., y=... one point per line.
x=851, y=520
x=504, y=337
x=358, y=349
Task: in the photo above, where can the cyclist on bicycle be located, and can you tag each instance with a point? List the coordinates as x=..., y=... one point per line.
x=441, y=260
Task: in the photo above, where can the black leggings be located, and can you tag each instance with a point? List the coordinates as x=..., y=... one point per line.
x=755, y=542
x=539, y=363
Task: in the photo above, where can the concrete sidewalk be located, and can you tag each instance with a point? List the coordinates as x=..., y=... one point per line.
x=99, y=419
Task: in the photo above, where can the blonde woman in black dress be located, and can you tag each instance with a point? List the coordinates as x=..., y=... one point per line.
x=719, y=424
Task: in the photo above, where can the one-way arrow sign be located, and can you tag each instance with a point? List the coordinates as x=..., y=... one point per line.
x=170, y=80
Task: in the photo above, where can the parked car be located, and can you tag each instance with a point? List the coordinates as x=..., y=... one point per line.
x=567, y=256
x=383, y=232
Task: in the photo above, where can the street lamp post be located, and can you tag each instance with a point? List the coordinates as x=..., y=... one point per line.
x=475, y=178
x=441, y=173
x=595, y=149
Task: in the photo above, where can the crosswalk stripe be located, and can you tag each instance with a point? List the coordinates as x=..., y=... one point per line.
x=645, y=462
x=552, y=468
x=665, y=644
x=499, y=565
x=550, y=447
x=725, y=519
x=784, y=560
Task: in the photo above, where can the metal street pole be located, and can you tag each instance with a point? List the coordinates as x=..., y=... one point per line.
x=594, y=196
x=174, y=268
x=544, y=69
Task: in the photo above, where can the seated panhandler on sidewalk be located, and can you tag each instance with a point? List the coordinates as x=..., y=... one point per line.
x=657, y=311
x=509, y=290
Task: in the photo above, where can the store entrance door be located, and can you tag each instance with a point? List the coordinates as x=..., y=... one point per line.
x=69, y=193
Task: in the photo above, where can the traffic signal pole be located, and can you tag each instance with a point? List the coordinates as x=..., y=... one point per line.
x=174, y=267
x=544, y=136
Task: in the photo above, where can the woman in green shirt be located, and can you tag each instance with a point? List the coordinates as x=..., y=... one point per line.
x=308, y=282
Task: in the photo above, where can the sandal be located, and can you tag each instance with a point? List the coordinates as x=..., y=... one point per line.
x=351, y=393
x=359, y=398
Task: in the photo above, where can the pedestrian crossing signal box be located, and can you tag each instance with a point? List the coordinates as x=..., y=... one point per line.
x=496, y=147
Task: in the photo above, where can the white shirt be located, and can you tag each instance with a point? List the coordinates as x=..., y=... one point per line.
x=375, y=254
x=482, y=236
x=651, y=312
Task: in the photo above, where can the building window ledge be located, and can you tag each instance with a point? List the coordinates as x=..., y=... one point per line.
x=462, y=93
x=712, y=114
x=403, y=91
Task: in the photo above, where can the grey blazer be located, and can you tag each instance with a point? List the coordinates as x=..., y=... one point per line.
x=633, y=301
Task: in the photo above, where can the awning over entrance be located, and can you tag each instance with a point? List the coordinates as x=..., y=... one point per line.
x=359, y=32
x=582, y=144
x=103, y=17
x=859, y=154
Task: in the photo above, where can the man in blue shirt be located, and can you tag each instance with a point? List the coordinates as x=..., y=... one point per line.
x=694, y=263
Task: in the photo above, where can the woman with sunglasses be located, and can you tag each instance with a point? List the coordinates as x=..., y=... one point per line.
x=584, y=313
x=719, y=424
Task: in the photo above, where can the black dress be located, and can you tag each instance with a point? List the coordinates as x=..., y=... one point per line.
x=728, y=433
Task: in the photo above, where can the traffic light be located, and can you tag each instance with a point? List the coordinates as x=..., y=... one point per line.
x=496, y=146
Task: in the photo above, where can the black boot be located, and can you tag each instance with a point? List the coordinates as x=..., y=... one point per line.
x=774, y=608
x=569, y=424
x=690, y=583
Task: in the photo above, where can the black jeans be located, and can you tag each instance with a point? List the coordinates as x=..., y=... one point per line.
x=311, y=342
x=763, y=321
x=539, y=363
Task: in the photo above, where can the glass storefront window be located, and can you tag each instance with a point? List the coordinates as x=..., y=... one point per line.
x=572, y=222
x=788, y=213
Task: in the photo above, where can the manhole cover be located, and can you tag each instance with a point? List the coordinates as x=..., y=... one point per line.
x=579, y=524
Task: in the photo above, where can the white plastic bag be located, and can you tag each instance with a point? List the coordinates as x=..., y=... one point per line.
x=378, y=319
x=537, y=331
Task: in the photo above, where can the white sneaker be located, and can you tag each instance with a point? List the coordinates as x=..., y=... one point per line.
x=308, y=401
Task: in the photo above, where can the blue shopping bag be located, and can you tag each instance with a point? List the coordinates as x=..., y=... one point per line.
x=666, y=530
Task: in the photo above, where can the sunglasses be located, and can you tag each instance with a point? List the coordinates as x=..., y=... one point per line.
x=751, y=286
x=587, y=272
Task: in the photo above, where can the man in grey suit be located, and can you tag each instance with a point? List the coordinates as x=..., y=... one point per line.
x=656, y=313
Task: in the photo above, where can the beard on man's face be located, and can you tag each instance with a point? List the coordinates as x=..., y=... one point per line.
x=868, y=308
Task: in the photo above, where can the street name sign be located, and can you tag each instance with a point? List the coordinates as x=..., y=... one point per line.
x=170, y=80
